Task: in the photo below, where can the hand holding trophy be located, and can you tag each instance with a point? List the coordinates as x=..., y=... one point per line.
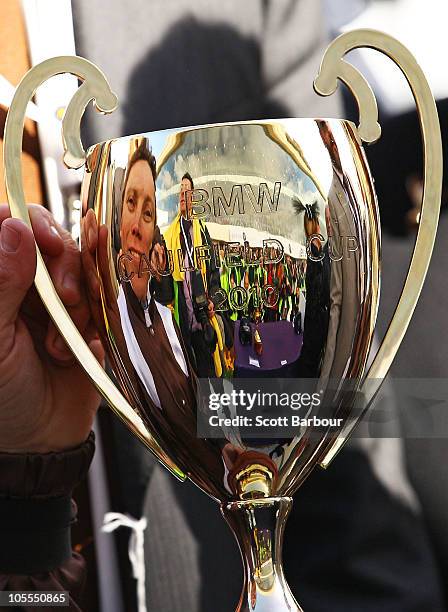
x=210, y=252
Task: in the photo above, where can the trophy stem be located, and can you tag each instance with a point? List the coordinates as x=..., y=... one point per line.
x=258, y=526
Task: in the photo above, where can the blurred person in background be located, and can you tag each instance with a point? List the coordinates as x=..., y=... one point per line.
x=364, y=546
x=396, y=161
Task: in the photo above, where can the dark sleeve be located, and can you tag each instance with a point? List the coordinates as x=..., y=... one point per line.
x=214, y=278
x=164, y=289
x=36, y=514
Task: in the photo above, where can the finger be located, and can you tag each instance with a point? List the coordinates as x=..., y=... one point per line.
x=89, y=242
x=45, y=232
x=91, y=230
x=66, y=273
x=104, y=267
x=55, y=343
x=92, y=338
x=65, y=269
x=59, y=249
x=17, y=270
x=60, y=351
x=97, y=349
x=90, y=332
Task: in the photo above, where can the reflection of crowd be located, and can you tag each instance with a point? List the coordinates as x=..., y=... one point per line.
x=272, y=291
x=195, y=300
x=317, y=280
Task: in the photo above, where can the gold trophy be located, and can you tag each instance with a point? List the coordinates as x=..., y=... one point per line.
x=234, y=251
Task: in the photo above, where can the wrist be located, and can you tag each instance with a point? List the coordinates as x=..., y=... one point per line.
x=36, y=510
x=41, y=475
x=35, y=534
x=48, y=434
x=41, y=444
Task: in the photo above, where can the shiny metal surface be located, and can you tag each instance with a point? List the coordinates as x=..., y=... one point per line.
x=258, y=527
x=205, y=246
x=283, y=235
x=334, y=67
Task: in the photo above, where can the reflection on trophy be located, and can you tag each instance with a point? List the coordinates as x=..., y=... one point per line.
x=197, y=279
x=232, y=252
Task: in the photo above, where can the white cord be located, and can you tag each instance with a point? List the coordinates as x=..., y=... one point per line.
x=114, y=520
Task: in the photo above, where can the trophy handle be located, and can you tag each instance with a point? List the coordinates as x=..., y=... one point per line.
x=94, y=87
x=334, y=67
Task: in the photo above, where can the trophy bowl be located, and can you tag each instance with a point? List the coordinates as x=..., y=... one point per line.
x=190, y=235
x=225, y=263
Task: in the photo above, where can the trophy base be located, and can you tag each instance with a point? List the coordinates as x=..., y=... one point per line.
x=258, y=526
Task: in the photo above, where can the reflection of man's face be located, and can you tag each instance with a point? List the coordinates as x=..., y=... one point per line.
x=330, y=143
x=137, y=222
x=185, y=198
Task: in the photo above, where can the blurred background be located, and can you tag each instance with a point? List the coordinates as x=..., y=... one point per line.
x=175, y=63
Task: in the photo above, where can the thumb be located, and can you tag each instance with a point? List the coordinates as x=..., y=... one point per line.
x=17, y=270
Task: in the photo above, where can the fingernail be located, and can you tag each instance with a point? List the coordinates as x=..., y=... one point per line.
x=54, y=231
x=9, y=238
x=91, y=235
